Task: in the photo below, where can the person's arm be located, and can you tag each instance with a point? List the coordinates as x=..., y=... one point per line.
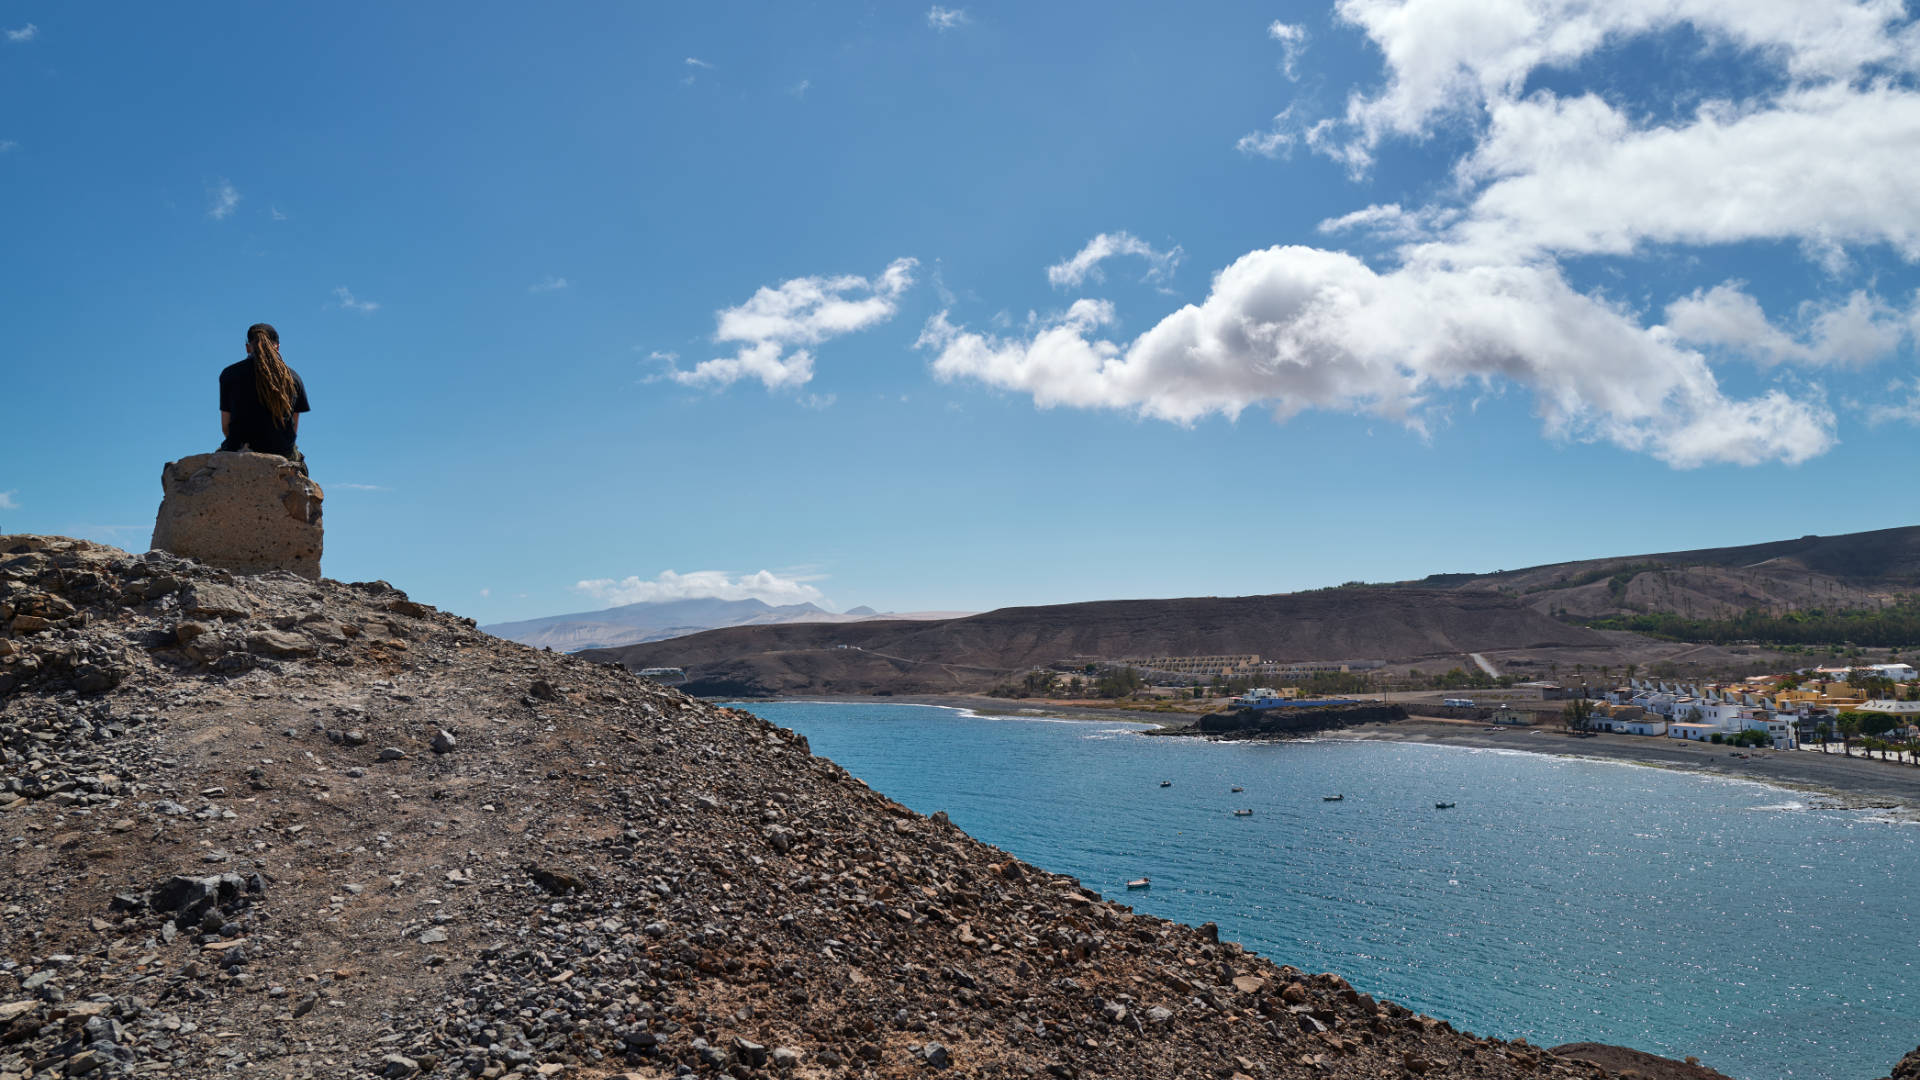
x=226, y=421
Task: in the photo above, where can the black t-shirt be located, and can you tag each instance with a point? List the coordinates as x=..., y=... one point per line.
x=249, y=423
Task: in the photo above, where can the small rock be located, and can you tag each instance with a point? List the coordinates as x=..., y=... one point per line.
x=433, y=937
x=392, y=753
x=443, y=742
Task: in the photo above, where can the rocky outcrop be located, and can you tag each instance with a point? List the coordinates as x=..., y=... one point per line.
x=241, y=511
x=1284, y=722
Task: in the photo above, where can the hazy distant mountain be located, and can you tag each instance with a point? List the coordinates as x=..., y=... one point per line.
x=632, y=624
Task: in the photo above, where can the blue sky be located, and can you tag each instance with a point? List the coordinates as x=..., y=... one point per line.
x=931, y=307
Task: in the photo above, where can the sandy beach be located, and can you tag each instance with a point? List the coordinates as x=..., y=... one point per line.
x=1856, y=781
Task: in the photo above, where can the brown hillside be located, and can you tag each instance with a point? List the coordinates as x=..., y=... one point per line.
x=979, y=651
x=270, y=827
x=1851, y=571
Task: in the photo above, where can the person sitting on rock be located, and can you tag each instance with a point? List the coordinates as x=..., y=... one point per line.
x=261, y=399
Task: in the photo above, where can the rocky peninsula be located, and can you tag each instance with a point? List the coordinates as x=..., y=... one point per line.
x=264, y=825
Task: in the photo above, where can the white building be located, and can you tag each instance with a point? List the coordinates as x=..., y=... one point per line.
x=1779, y=729
x=1692, y=732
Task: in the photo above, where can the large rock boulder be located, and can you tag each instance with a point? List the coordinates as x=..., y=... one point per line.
x=245, y=512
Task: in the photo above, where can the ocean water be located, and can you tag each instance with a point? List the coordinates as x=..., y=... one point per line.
x=1561, y=900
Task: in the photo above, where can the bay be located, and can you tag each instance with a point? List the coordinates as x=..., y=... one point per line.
x=1561, y=900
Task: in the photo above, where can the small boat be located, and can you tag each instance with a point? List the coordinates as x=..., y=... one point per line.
x=1166, y=783
x=1444, y=805
x=1243, y=813
x=1237, y=789
x=1140, y=883
x=1332, y=798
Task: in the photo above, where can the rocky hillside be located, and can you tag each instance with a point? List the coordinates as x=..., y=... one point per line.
x=980, y=651
x=273, y=827
x=1852, y=571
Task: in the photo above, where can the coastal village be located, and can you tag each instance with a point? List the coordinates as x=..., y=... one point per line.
x=1809, y=709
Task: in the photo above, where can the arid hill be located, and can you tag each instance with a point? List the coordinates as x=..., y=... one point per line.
x=980, y=651
x=1852, y=571
x=266, y=826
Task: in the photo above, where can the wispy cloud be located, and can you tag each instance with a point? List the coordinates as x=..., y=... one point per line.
x=817, y=402
x=1086, y=262
x=7, y=500
x=799, y=312
x=1293, y=41
x=484, y=593
x=276, y=213
x=945, y=19
x=7, y=144
x=765, y=586
x=696, y=62
x=222, y=198
x=24, y=34
x=1901, y=404
x=800, y=88
x=362, y=487
x=345, y=298
x=551, y=284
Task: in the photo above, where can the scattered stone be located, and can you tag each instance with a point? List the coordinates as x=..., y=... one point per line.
x=443, y=742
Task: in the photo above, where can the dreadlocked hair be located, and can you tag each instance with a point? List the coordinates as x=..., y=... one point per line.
x=271, y=376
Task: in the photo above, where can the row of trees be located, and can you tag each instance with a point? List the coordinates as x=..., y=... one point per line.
x=1895, y=626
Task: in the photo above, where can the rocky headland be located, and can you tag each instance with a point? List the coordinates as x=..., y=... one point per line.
x=263, y=825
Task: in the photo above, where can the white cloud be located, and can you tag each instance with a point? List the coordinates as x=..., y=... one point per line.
x=222, y=198
x=817, y=402
x=550, y=284
x=1276, y=141
x=1900, y=405
x=24, y=34
x=800, y=312
x=7, y=500
x=362, y=487
x=696, y=62
x=1086, y=262
x=800, y=88
x=944, y=19
x=1861, y=330
x=346, y=299
x=8, y=144
x=1293, y=41
x=765, y=586
x=1450, y=56
x=1293, y=328
x=484, y=593
x=276, y=213
x=1830, y=165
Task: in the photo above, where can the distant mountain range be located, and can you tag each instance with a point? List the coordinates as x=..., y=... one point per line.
x=659, y=620
x=1530, y=616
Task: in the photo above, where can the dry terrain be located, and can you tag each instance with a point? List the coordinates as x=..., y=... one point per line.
x=263, y=826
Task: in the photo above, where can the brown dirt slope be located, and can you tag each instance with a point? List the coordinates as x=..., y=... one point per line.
x=1854, y=570
x=979, y=651
x=270, y=827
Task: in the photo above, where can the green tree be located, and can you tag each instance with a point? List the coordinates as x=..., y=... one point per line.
x=1578, y=714
x=1849, y=730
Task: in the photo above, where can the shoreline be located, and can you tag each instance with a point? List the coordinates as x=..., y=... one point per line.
x=1855, y=783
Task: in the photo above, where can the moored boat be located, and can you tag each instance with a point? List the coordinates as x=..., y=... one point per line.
x=1333, y=798
x=1140, y=883
x=1243, y=813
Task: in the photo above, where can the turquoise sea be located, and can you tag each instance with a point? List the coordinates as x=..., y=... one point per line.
x=1561, y=900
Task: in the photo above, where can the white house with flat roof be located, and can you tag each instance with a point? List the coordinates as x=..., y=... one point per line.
x=1692, y=732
